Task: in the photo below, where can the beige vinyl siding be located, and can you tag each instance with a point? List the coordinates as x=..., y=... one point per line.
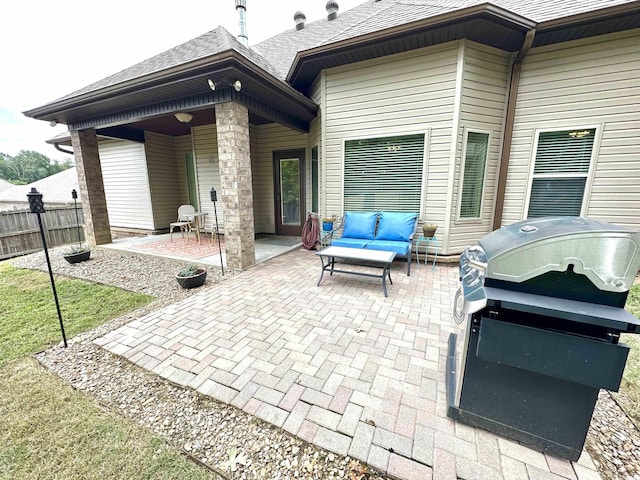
x=126, y=184
x=585, y=83
x=163, y=178
x=483, y=104
x=268, y=139
x=412, y=92
x=205, y=140
x=183, y=145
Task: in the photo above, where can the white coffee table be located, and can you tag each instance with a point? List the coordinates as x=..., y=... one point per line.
x=357, y=256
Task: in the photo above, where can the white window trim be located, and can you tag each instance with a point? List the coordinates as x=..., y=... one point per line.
x=463, y=160
x=589, y=175
x=426, y=131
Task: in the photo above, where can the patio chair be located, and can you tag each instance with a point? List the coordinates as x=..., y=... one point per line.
x=184, y=222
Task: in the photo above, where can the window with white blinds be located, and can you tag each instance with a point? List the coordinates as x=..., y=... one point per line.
x=560, y=173
x=383, y=173
x=475, y=164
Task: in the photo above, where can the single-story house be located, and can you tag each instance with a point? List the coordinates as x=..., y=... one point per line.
x=56, y=190
x=4, y=185
x=475, y=114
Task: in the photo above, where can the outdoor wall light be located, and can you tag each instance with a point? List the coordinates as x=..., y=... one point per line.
x=183, y=117
x=237, y=85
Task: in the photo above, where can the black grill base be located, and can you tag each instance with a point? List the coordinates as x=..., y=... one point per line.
x=542, y=412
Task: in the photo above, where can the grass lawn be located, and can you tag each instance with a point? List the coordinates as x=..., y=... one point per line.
x=28, y=318
x=631, y=379
x=48, y=430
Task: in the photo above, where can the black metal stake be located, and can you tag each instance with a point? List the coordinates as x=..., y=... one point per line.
x=214, y=198
x=74, y=195
x=37, y=207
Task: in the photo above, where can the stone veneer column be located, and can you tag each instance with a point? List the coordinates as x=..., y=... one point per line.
x=94, y=204
x=232, y=123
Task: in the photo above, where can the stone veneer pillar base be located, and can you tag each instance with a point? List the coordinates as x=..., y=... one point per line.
x=94, y=204
x=232, y=123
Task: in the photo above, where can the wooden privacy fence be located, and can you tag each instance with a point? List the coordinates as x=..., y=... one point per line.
x=20, y=233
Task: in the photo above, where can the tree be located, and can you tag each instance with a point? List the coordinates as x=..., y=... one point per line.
x=28, y=166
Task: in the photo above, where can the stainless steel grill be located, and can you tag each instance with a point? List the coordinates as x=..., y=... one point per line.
x=543, y=303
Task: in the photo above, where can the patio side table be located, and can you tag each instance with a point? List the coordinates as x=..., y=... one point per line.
x=427, y=241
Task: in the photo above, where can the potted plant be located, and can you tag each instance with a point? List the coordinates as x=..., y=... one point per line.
x=77, y=254
x=191, y=276
x=429, y=230
x=327, y=224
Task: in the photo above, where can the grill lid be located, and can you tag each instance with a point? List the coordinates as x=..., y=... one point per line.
x=609, y=255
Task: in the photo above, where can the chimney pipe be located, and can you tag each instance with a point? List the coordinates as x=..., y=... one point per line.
x=241, y=8
x=299, y=18
x=332, y=10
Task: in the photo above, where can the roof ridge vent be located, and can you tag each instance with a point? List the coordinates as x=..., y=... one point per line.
x=332, y=10
x=299, y=18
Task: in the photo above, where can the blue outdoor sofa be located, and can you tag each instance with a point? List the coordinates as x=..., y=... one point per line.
x=389, y=231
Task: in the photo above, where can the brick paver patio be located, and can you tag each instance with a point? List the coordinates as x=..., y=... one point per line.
x=338, y=365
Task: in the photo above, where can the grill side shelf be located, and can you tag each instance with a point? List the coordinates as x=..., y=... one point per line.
x=592, y=313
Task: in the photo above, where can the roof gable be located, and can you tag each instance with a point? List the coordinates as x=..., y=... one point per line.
x=211, y=43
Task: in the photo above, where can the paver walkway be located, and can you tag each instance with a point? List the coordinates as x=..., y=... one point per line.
x=338, y=365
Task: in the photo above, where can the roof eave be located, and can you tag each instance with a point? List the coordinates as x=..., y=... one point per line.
x=455, y=16
x=49, y=111
x=591, y=16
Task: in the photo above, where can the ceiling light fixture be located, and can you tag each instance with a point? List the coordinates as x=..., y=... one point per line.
x=212, y=84
x=237, y=86
x=183, y=117
x=53, y=122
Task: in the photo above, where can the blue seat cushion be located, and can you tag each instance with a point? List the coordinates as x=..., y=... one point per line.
x=360, y=225
x=350, y=242
x=396, y=226
x=401, y=248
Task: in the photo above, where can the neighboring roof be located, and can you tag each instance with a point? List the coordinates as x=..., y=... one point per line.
x=4, y=185
x=55, y=188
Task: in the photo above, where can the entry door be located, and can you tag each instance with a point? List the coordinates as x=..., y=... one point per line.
x=289, y=191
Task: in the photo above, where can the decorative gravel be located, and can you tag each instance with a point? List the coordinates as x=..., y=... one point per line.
x=222, y=437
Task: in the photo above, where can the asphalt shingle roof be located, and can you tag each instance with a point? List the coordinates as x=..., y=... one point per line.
x=372, y=16
x=211, y=43
x=4, y=185
x=277, y=54
x=55, y=188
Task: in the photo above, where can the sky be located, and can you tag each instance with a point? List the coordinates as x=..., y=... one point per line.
x=49, y=49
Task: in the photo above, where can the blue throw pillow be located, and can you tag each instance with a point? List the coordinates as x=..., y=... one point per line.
x=359, y=225
x=396, y=226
